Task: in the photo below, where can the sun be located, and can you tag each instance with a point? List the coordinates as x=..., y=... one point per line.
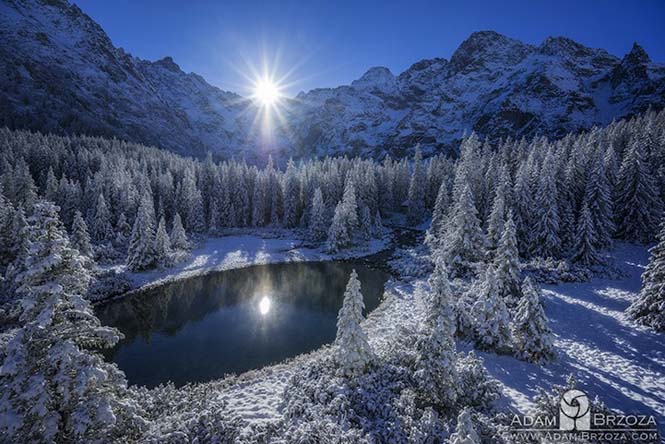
x=266, y=92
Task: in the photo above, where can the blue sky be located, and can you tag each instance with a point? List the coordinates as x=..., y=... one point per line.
x=321, y=44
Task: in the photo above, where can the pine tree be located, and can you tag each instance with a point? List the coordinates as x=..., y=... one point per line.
x=417, y=191
x=377, y=226
x=25, y=191
x=464, y=241
x=80, y=237
x=585, y=251
x=178, y=236
x=436, y=230
x=496, y=220
x=141, y=252
x=598, y=197
x=547, y=243
x=506, y=264
x=123, y=230
x=532, y=337
x=55, y=387
x=435, y=365
x=102, y=230
x=350, y=207
x=490, y=315
x=51, y=189
x=649, y=307
x=213, y=222
x=638, y=205
x=365, y=223
x=523, y=209
x=7, y=239
x=352, y=351
x=338, y=233
x=18, y=233
x=291, y=195
x=317, y=218
x=162, y=245
x=465, y=432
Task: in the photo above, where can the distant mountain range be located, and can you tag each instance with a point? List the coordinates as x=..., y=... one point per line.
x=59, y=72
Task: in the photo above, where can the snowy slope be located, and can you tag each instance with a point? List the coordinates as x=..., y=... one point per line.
x=611, y=357
x=59, y=72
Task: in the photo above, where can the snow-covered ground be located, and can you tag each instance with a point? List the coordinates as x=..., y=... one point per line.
x=623, y=364
x=612, y=358
x=238, y=251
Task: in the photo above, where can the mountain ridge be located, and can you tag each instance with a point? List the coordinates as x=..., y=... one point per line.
x=61, y=73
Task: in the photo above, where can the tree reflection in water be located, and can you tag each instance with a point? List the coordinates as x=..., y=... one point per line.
x=228, y=322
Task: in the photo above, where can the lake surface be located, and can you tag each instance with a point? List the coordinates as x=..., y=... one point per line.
x=232, y=321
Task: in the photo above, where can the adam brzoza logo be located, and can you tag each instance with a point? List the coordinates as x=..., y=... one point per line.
x=577, y=421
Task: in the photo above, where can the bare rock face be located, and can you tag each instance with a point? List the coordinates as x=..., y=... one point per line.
x=60, y=73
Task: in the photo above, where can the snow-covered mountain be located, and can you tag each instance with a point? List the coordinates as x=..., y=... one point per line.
x=59, y=72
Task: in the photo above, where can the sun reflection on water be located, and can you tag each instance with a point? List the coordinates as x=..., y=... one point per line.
x=264, y=305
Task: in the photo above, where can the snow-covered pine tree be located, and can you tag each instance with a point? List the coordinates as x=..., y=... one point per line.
x=436, y=230
x=25, y=191
x=350, y=207
x=291, y=196
x=532, y=337
x=55, y=387
x=365, y=223
x=585, y=251
x=435, y=364
x=122, y=231
x=178, y=235
x=102, y=230
x=598, y=197
x=417, y=190
x=547, y=243
x=490, y=315
x=259, y=203
x=465, y=432
x=496, y=220
x=338, y=233
x=377, y=225
x=162, y=245
x=317, y=218
x=213, y=220
x=523, y=209
x=141, y=252
x=352, y=351
x=18, y=233
x=51, y=188
x=506, y=263
x=638, y=203
x=191, y=202
x=649, y=307
x=7, y=239
x=464, y=241
x=80, y=238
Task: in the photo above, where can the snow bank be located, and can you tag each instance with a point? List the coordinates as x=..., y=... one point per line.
x=238, y=251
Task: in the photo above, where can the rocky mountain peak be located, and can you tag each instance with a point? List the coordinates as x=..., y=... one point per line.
x=168, y=63
x=484, y=47
x=637, y=56
x=378, y=77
